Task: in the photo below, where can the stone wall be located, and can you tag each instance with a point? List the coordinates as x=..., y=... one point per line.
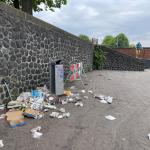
x=118, y=61
x=29, y=45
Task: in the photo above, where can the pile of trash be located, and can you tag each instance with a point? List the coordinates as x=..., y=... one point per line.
x=34, y=104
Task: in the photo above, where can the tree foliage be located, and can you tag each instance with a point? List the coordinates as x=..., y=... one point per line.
x=120, y=40
x=109, y=41
x=99, y=58
x=48, y=4
x=84, y=37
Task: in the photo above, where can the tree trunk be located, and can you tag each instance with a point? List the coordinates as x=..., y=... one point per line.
x=27, y=6
x=16, y=4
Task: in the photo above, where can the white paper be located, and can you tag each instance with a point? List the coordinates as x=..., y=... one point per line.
x=79, y=104
x=103, y=101
x=1, y=143
x=89, y=91
x=109, y=99
x=72, y=87
x=109, y=117
x=51, y=98
x=38, y=128
x=54, y=114
x=86, y=97
x=62, y=110
x=83, y=91
x=37, y=135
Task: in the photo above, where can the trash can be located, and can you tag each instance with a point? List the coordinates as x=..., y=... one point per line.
x=57, y=78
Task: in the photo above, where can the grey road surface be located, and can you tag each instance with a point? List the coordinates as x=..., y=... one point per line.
x=87, y=128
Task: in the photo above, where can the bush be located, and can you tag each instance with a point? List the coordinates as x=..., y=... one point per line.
x=99, y=58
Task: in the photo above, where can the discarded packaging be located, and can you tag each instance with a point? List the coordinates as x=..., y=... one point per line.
x=35, y=132
x=2, y=107
x=51, y=98
x=83, y=91
x=72, y=87
x=67, y=93
x=148, y=136
x=103, y=101
x=109, y=99
x=109, y=117
x=40, y=116
x=60, y=116
x=89, y=91
x=31, y=113
x=37, y=103
x=45, y=110
x=70, y=99
x=38, y=128
x=66, y=115
x=79, y=104
x=1, y=143
x=54, y=114
x=64, y=102
x=78, y=98
x=15, y=118
x=75, y=94
x=62, y=110
x=24, y=96
x=14, y=106
x=37, y=135
x=101, y=97
x=2, y=116
x=50, y=106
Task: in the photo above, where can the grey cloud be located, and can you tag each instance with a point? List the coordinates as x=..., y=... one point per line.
x=98, y=18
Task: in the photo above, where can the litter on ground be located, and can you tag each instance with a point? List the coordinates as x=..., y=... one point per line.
x=1, y=143
x=38, y=128
x=86, y=97
x=109, y=117
x=60, y=115
x=36, y=135
x=54, y=114
x=15, y=118
x=79, y=104
x=89, y=91
x=148, y=136
x=72, y=87
x=104, y=99
x=2, y=107
x=62, y=110
x=36, y=132
x=83, y=91
x=109, y=99
x=2, y=116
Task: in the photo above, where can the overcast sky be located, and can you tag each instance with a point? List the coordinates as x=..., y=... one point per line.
x=98, y=18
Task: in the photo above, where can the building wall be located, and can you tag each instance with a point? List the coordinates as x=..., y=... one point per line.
x=28, y=46
x=144, y=53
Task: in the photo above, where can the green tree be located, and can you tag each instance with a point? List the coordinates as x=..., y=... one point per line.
x=122, y=41
x=109, y=41
x=84, y=37
x=29, y=5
